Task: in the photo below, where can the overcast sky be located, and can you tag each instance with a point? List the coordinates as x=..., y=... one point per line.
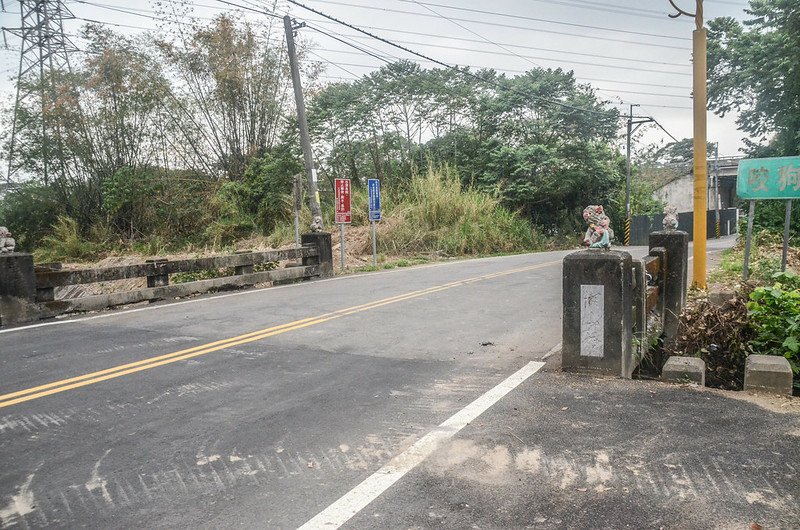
x=628, y=49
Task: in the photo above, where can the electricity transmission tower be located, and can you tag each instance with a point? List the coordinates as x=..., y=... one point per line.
x=44, y=56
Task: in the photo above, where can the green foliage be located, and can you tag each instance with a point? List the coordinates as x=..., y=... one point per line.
x=261, y=200
x=545, y=161
x=770, y=216
x=753, y=70
x=29, y=211
x=680, y=152
x=65, y=243
x=775, y=316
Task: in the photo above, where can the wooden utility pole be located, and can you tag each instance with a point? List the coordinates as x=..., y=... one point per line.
x=305, y=140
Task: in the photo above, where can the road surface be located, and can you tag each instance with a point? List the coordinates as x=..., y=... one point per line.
x=260, y=408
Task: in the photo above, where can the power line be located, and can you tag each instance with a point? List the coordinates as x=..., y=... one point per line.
x=520, y=46
x=522, y=17
x=509, y=52
x=608, y=8
x=541, y=58
x=446, y=65
x=610, y=90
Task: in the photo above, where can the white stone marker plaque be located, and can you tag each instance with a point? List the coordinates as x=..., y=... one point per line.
x=592, y=320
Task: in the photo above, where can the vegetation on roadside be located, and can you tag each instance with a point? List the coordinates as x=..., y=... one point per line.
x=758, y=317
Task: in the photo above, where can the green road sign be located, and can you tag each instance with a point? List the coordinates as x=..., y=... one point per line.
x=769, y=178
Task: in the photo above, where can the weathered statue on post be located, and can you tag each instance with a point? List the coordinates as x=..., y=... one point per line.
x=599, y=233
x=670, y=218
x=7, y=242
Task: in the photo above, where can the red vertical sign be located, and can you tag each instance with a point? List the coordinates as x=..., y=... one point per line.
x=343, y=214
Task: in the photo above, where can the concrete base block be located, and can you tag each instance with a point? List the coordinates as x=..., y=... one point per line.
x=322, y=240
x=683, y=369
x=769, y=374
x=17, y=289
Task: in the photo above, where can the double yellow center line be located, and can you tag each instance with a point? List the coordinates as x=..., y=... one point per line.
x=21, y=396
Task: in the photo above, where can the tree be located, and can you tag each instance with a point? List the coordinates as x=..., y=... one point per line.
x=232, y=79
x=503, y=135
x=753, y=69
x=680, y=152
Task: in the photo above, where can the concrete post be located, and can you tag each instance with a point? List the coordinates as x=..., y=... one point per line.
x=676, y=244
x=598, y=323
x=17, y=289
x=157, y=280
x=46, y=294
x=322, y=241
x=241, y=270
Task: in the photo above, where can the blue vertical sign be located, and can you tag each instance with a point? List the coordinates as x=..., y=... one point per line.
x=374, y=187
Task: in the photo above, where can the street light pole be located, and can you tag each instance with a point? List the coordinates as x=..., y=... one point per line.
x=699, y=38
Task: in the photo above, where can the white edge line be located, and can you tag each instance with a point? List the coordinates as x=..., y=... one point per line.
x=205, y=297
x=555, y=349
x=373, y=486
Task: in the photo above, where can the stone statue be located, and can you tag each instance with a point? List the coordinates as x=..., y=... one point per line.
x=670, y=218
x=7, y=242
x=599, y=233
x=316, y=224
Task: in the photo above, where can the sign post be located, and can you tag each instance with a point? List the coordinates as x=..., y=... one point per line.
x=374, y=187
x=768, y=178
x=343, y=211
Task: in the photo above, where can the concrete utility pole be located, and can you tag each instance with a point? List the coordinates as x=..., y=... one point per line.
x=631, y=130
x=699, y=36
x=305, y=140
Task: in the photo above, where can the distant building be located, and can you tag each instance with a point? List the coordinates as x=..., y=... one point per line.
x=679, y=191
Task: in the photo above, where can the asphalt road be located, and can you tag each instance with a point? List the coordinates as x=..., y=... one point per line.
x=257, y=408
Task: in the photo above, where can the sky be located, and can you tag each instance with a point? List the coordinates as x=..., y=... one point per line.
x=630, y=50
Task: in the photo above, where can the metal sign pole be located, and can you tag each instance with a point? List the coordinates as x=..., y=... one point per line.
x=341, y=241
x=786, y=234
x=374, y=247
x=748, y=241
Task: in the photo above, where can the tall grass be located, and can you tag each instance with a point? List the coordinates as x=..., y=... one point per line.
x=437, y=215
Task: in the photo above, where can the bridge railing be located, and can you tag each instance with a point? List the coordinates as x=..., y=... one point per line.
x=28, y=291
x=615, y=307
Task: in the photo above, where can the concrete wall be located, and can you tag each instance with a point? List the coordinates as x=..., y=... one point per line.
x=680, y=193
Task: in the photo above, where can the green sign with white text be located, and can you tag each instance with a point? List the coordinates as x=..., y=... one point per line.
x=769, y=178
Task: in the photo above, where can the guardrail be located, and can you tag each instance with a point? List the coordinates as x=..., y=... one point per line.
x=615, y=306
x=28, y=291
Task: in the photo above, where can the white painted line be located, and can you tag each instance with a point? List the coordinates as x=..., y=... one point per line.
x=555, y=349
x=370, y=489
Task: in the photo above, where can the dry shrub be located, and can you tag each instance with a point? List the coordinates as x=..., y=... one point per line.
x=718, y=334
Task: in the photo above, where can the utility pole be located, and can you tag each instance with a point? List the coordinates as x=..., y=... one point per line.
x=631, y=130
x=44, y=53
x=305, y=140
x=699, y=38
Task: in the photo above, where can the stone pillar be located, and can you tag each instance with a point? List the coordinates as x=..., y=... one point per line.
x=157, y=280
x=17, y=289
x=597, y=321
x=322, y=241
x=241, y=270
x=676, y=243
